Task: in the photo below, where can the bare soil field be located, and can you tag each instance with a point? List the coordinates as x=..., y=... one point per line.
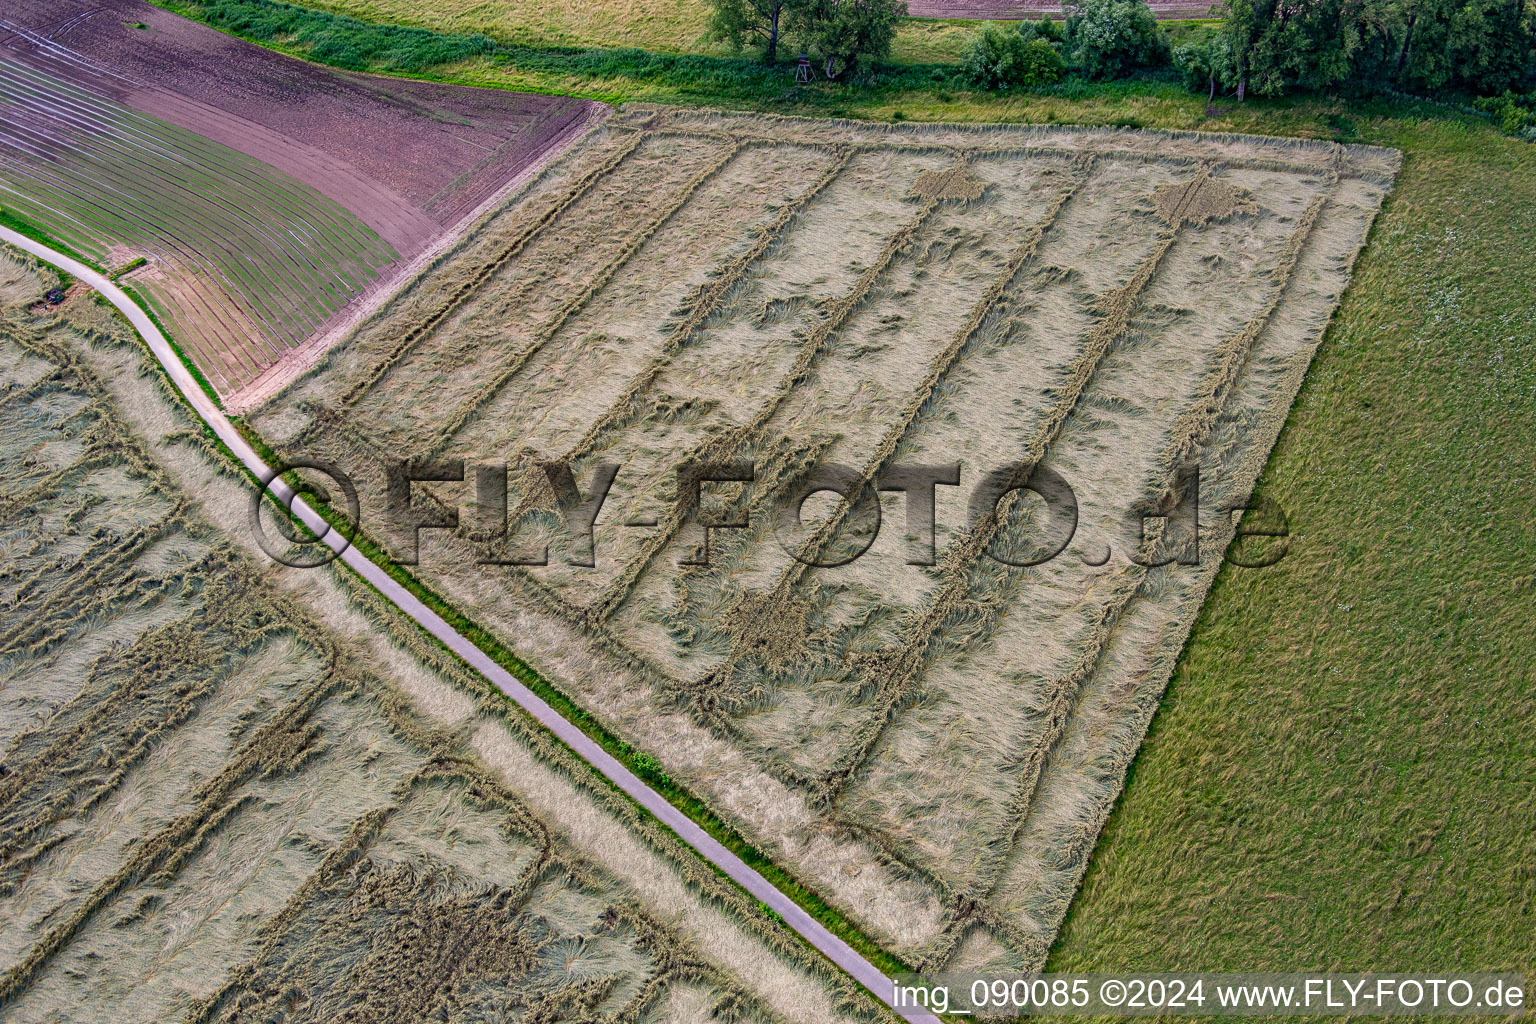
x=405, y=162
x=233, y=795
x=933, y=748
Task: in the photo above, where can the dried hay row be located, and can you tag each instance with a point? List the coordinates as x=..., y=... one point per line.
x=89, y=757
x=1194, y=425
x=596, y=284
x=488, y=270
x=1373, y=164
x=729, y=443
x=81, y=592
x=774, y=607
x=84, y=750
x=703, y=304
x=411, y=969
x=1187, y=434
x=279, y=746
x=69, y=372
x=1335, y=166
x=338, y=859
x=107, y=558
x=551, y=601
x=1190, y=431
x=715, y=891
x=103, y=567
x=675, y=958
x=14, y=395
x=894, y=673
x=1033, y=947
x=98, y=454
x=416, y=960
x=697, y=875
x=100, y=451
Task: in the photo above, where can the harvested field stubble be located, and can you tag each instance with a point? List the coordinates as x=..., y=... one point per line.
x=932, y=748
x=228, y=796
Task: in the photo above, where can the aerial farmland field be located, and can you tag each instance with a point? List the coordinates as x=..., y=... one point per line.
x=248, y=263
x=256, y=203
x=230, y=794
x=933, y=748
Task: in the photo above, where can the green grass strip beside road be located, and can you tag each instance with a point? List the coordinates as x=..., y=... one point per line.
x=22, y=226
x=641, y=763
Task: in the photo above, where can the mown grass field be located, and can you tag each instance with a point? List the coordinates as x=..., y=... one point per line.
x=1105, y=306
x=1296, y=826
x=234, y=795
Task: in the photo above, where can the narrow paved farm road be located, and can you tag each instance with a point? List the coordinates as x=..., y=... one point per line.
x=835, y=949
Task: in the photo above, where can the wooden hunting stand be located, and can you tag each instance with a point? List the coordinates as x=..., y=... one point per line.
x=803, y=70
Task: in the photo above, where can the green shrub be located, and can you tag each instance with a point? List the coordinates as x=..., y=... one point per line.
x=1045, y=28
x=1514, y=114
x=1109, y=38
x=1206, y=65
x=649, y=769
x=999, y=59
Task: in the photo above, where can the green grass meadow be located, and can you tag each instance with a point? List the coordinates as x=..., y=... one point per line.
x=1343, y=773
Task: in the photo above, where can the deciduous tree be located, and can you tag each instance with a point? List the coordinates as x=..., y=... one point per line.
x=749, y=22
x=846, y=34
x=1109, y=38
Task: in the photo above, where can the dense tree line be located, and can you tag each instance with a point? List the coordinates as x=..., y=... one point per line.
x=1483, y=48
x=1476, y=46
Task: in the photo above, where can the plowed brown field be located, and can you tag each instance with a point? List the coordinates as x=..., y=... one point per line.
x=410, y=161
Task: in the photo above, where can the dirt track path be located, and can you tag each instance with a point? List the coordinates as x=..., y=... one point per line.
x=705, y=845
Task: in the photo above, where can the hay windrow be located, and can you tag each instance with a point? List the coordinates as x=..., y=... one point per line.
x=226, y=809
x=1203, y=200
